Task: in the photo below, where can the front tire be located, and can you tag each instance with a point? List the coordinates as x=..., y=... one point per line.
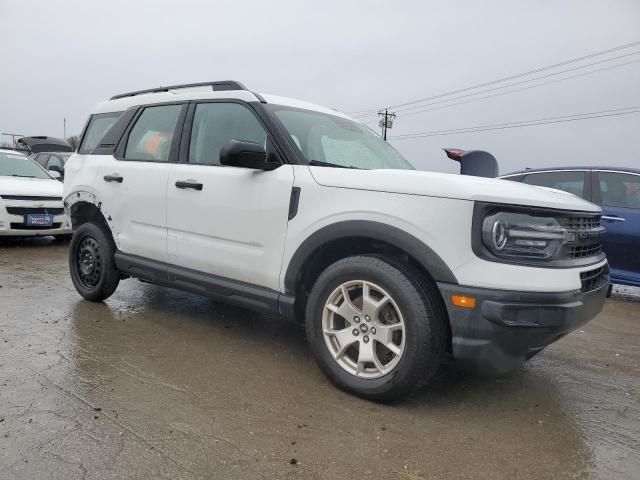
x=375, y=328
x=91, y=263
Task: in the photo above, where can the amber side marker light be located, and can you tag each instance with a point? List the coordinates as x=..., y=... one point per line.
x=463, y=301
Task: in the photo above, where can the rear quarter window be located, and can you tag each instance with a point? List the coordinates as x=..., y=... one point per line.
x=99, y=125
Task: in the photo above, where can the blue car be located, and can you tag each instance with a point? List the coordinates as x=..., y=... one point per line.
x=617, y=191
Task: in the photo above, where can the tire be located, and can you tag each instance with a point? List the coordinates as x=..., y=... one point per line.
x=415, y=303
x=91, y=262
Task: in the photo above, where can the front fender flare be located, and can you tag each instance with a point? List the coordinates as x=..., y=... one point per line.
x=415, y=248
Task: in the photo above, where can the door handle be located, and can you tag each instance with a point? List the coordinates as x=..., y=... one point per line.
x=612, y=218
x=192, y=184
x=114, y=177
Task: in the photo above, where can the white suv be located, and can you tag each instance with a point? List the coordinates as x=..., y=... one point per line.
x=294, y=209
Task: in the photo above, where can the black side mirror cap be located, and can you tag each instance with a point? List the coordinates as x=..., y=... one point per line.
x=55, y=168
x=238, y=153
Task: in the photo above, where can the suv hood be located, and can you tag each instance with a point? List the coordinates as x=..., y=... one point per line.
x=463, y=187
x=42, y=187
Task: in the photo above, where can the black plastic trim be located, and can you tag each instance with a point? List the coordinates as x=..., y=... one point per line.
x=507, y=327
x=235, y=292
x=259, y=97
x=294, y=200
x=482, y=209
x=421, y=252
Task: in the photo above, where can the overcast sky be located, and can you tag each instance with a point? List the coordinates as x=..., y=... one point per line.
x=61, y=58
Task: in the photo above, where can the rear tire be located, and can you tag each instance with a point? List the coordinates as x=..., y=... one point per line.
x=387, y=365
x=91, y=263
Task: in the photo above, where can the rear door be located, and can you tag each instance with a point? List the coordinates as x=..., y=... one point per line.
x=232, y=221
x=619, y=195
x=131, y=184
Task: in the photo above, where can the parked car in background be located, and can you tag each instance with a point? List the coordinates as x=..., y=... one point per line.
x=42, y=143
x=53, y=161
x=30, y=199
x=617, y=191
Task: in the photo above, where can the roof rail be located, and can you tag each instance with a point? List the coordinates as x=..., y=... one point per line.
x=215, y=86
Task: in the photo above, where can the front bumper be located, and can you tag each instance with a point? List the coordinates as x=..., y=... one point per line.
x=14, y=225
x=506, y=328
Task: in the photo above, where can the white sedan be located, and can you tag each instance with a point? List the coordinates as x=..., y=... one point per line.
x=30, y=199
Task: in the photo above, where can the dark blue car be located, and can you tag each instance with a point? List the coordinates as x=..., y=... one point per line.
x=617, y=191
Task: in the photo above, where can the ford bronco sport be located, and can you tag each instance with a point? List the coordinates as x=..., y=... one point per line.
x=294, y=209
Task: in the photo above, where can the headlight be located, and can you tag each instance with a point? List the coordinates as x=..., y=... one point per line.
x=519, y=235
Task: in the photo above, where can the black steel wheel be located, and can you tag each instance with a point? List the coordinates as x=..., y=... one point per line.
x=91, y=262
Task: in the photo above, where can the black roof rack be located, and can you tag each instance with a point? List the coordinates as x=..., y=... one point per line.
x=220, y=86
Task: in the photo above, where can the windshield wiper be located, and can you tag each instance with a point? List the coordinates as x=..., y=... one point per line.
x=320, y=163
x=23, y=176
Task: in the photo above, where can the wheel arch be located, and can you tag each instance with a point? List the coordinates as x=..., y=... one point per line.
x=358, y=237
x=84, y=207
x=371, y=232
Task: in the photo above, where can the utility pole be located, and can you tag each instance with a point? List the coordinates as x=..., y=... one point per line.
x=385, y=122
x=64, y=128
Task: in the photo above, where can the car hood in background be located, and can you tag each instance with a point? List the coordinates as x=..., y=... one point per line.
x=30, y=187
x=463, y=187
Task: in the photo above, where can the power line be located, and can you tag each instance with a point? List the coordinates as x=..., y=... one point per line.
x=518, y=89
x=413, y=111
x=523, y=123
x=504, y=79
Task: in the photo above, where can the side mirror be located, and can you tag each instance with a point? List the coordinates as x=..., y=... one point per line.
x=237, y=153
x=55, y=174
x=55, y=168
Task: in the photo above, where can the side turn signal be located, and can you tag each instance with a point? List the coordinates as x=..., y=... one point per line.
x=463, y=301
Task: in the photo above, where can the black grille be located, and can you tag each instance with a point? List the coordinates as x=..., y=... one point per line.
x=29, y=210
x=23, y=226
x=30, y=198
x=581, y=223
x=593, y=279
x=585, y=236
x=582, y=251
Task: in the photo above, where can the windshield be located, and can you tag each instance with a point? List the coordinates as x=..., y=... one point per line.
x=16, y=165
x=335, y=141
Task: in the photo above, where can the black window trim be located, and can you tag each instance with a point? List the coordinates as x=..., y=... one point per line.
x=121, y=145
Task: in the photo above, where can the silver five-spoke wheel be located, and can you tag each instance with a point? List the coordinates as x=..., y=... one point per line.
x=363, y=329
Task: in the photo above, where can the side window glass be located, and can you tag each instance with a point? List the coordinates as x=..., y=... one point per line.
x=54, y=161
x=150, y=138
x=572, y=182
x=215, y=124
x=98, y=126
x=619, y=190
x=42, y=158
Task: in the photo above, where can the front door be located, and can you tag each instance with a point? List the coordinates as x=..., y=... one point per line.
x=227, y=221
x=619, y=196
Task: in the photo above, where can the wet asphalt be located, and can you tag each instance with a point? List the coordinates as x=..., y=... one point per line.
x=156, y=384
